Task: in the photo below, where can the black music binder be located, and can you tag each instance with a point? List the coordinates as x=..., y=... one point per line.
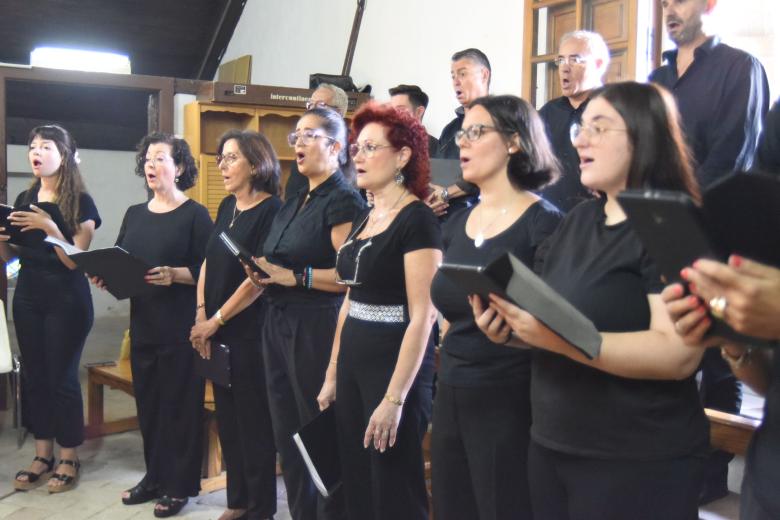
x=318, y=443
x=32, y=237
x=217, y=367
x=241, y=253
x=122, y=273
x=509, y=278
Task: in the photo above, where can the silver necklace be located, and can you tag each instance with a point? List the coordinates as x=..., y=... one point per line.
x=379, y=218
x=236, y=213
x=480, y=238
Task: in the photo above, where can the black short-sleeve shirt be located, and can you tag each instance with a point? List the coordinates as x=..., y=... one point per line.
x=224, y=273
x=377, y=263
x=300, y=234
x=45, y=258
x=604, y=271
x=176, y=238
x=468, y=358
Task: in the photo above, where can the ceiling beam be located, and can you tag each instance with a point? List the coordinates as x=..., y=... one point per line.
x=220, y=39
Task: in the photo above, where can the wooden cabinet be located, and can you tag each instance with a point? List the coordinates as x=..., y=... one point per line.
x=204, y=124
x=631, y=29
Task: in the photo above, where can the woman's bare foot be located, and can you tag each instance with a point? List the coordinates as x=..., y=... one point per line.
x=232, y=514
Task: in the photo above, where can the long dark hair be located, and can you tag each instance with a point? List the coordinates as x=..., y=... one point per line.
x=180, y=152
x=533, y=165
x=70, y=184
x=660, y=160
x=260, y=155
x=335, y=127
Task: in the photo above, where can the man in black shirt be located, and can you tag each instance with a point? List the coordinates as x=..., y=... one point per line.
x=722, y=94
x=768, y=156
x=582, y=60
x=325, y=95
x=411, y=98
x=471, y=73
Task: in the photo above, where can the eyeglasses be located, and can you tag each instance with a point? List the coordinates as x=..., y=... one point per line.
x=474, y=132
x=591, y=131
x=320, y=104
x=368, y=149
x=306, y=137
x=160, y=159
x=227, y=159
x=574, y=59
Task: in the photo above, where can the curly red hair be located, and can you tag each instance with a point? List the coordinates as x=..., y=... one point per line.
x=402, y=129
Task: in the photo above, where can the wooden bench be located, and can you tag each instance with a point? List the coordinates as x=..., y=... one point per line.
x=120, y=377
x=730, y=432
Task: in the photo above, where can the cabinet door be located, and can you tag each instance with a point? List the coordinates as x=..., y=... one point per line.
x=210, y=181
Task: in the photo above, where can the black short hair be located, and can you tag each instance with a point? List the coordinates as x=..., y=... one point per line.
x=261, y=158
x=475, y=55
x=417, y=97
x=533, y=165
x=180, y=152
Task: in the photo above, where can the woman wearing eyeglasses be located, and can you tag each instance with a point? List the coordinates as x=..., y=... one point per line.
x=303, y=297
x=482, y=419
x=230, y=312
x=381, y=365
x=169, y=232
x=622, y=435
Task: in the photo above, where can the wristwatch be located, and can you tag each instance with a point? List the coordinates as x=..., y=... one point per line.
x=445, y=195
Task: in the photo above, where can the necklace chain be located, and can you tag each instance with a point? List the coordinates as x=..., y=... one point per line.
x=480, y=238
x=380, y=218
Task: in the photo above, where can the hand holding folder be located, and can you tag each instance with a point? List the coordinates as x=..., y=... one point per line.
x=30, y=237
x=510, y=279
x=122, y=273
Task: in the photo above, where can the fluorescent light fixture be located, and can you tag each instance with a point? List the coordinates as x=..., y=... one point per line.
x=73, y=59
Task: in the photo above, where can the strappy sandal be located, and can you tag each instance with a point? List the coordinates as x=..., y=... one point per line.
x=68, y=481
x=171, y=506
x=139, y=494
x=34, y=479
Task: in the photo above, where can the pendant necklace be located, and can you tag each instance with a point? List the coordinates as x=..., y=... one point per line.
x=381, y=217
x=480, y=238
x=236, y=214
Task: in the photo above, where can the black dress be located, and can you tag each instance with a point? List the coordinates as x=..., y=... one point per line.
x=168, y=395
x=53, y=314
x=389, y=485
x=299, y=328
x=242, y=410
x=480, y=431
x=640, y=442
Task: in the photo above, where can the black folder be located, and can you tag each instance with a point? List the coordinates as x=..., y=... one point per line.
x=509, y=278
x=217, y=367
x=318, y=444
x=739, y=214
x=122, y=273
x=33, y=237
x=240, y=252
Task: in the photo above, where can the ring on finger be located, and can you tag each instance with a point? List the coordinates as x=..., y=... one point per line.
x=718, y=306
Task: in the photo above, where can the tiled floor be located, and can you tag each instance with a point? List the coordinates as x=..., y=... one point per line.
x=114, y=463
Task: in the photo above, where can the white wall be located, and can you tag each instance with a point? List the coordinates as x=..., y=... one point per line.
x=401, y=41
x=113, y=185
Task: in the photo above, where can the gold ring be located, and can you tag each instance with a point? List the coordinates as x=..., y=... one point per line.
x=718, y=306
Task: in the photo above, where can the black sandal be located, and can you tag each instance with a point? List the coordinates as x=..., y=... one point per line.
x=139, y=494
x=172, y=506
x=68, y=481
x=34, y=479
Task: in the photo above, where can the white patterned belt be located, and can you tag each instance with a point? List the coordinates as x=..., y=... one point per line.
x=376, y=313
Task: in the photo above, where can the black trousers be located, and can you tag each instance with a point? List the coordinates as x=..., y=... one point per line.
x=53, y=316
x=749, y=506
x=297, y=341
x=169, y=399
x=479, y=449
x=244, y=424
x=389, y=485
x=569, y=487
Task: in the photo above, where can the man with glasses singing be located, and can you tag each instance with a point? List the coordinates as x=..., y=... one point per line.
x=471, y=72
x=582, y=60
x=326, y=96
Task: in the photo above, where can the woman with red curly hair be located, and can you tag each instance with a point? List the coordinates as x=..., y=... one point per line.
x=381, y=368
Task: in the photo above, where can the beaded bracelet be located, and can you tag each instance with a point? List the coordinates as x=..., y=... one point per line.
x=394, y=400
x=309, y=277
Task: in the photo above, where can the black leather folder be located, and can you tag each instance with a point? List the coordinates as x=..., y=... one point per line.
x=740, y=215
x=509, y=278
x=33, y=237
x=240, y=252
x=217, y=367
x=318, y=445
x=122, y=273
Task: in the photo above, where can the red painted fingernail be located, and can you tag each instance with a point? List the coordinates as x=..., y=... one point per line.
x=684, y=274
x=735, y=260
x=696, y=264
x=693, y=300
x=678, y=290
